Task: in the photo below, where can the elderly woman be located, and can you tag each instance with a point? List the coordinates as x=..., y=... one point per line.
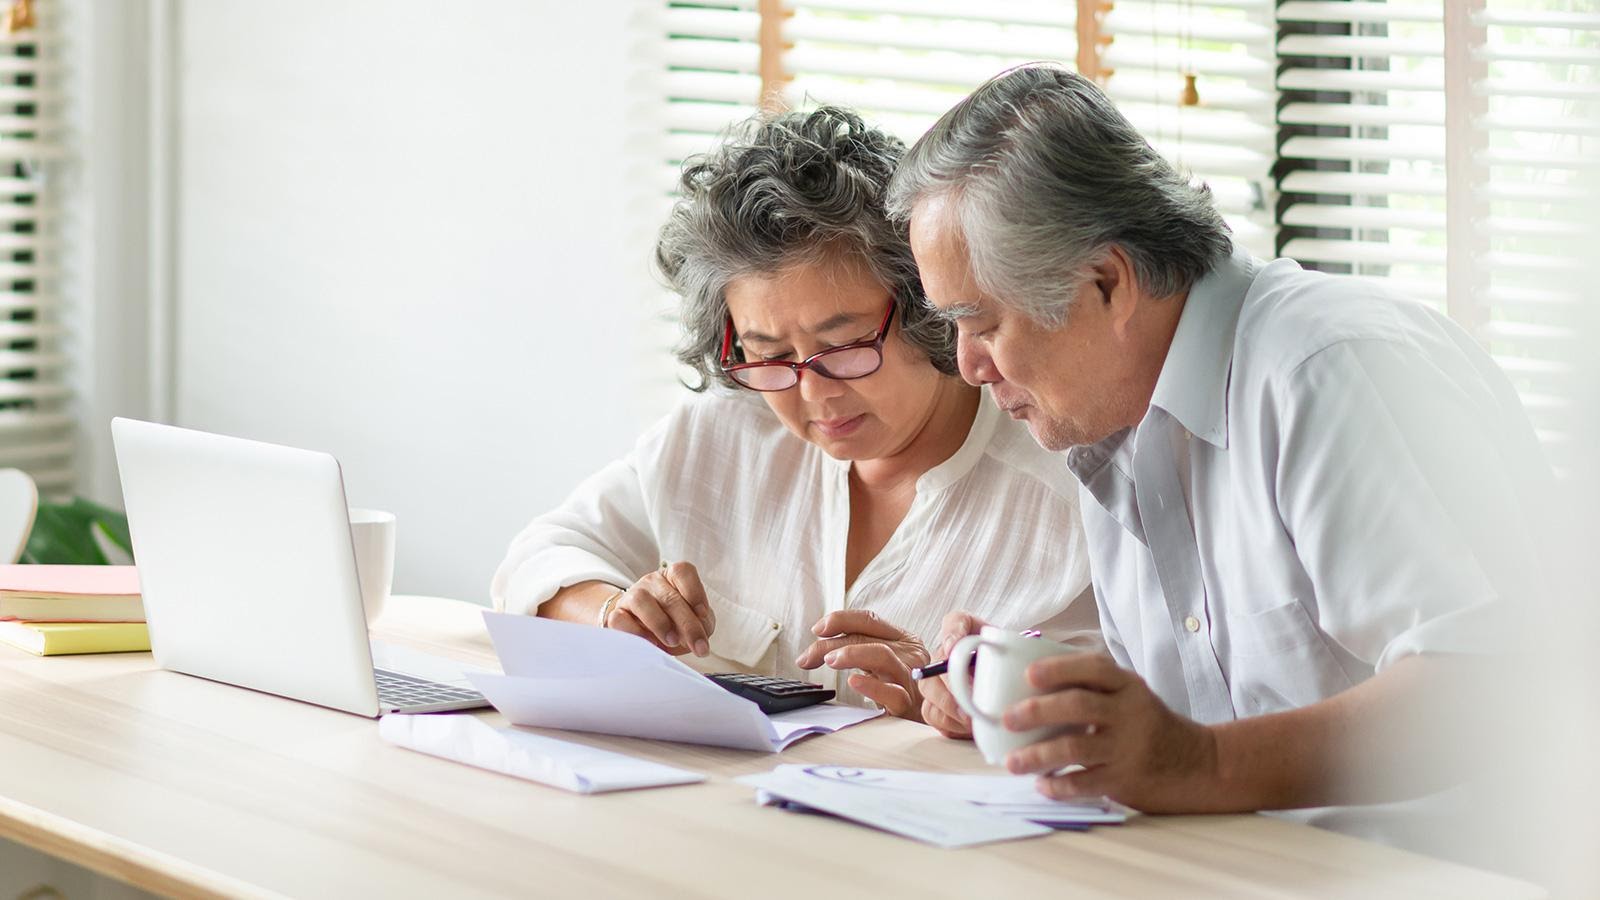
x=840, y=488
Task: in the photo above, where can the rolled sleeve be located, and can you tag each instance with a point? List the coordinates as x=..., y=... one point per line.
x=601, y=533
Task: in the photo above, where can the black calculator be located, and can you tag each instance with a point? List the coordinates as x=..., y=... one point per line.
x=773, y=695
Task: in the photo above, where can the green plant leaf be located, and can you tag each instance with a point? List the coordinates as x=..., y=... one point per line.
x=110, y=522
x=63, y=533
x=61, y=537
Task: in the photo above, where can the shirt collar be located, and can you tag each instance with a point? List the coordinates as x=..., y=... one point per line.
x=972, y=449
x=1193, y=385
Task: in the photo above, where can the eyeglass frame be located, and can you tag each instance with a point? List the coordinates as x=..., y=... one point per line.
x=875, y=342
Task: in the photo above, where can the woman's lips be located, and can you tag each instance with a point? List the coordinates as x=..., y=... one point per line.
x=840, y=427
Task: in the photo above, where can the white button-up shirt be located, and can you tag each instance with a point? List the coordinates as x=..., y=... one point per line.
x=764, y=516
x=1327, y=480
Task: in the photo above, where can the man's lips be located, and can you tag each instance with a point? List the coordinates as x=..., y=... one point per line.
x=1015, y=408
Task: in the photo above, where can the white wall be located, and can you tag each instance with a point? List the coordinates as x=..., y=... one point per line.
x=401, y=236
x=105, y=194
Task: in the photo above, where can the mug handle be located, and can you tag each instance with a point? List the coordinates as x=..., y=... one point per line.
x=959, y=678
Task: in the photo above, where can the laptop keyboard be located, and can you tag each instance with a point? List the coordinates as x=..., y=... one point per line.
x=395, y=689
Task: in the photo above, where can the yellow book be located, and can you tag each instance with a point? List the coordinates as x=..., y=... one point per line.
x=61, y=638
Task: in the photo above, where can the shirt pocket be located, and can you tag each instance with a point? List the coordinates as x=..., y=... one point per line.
x=743, y=635
x=1278, y=659
x=1274, y=631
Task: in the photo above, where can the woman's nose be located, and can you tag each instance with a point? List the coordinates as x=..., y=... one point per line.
x=817, y=387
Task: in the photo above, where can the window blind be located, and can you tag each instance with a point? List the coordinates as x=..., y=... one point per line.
x=698, y=71
x=1446, y=148
x=706, y=77
x=1441, y=146
x=1223, y=131
x=36, y=424
x=903, y=64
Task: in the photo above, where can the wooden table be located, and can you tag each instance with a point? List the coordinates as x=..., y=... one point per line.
x=183, y=786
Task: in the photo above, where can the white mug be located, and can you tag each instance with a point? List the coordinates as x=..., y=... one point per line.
x=372, y=533
x=999, y=681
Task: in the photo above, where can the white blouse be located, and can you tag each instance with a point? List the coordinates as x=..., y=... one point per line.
x=764, y=516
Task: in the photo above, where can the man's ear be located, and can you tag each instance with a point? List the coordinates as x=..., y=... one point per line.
x=1115, y=287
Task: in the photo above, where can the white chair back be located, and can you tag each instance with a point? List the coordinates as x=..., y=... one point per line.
x=19, y=501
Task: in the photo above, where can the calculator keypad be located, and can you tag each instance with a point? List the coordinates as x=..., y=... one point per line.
x=771, y=693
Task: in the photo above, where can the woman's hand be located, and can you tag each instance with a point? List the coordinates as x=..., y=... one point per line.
x=668, y=608
x=882, y=654
x=939, y=708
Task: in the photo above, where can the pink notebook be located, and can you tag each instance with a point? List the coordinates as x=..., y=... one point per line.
x=69, y=581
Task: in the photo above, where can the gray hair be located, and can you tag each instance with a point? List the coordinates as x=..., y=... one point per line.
x=796, y=188
x=1043, y=175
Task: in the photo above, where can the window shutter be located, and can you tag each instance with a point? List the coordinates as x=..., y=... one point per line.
x=36, y=424
x=706, y=77
x=1536, y=131
x=1223, y=132
x=1450, y=148
x=699, y=72
x=902, y=64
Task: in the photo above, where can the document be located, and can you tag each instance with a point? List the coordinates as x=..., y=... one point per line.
x=563, y=764
x=941, y=821
x=581, y=678
x=943, y=810
x=1006, y=795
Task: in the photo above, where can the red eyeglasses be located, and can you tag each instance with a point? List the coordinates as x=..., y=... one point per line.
x=844, y=363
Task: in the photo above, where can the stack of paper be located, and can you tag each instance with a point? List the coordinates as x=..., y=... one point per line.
x=577, y=677
x=52, y=610
x=943, y=810
x=574, y=767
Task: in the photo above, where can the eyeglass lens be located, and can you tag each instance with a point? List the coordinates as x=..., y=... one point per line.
x=842, y=364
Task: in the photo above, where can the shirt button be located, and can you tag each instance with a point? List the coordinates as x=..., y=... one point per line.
x=1192, y=624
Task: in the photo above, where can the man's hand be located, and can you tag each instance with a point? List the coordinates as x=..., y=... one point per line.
x=668, y=608
x=882, y=654
x=939, y=708
x=1133, y=749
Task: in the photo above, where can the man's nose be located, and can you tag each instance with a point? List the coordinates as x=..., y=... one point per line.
x=974, y=362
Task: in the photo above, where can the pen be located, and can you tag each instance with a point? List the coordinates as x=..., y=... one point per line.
x=942, y=666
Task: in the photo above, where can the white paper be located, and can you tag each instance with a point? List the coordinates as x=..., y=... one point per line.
x=940, y=821
x=562, y=764
x=1008, y=795
x=576, y=677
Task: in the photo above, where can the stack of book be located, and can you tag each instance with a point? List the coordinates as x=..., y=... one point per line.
x=54, y=610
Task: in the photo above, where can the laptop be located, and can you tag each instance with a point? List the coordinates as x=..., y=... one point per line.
x=248, y=573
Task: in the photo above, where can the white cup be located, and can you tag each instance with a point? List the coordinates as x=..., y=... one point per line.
x=372, y=533
x=999, y=679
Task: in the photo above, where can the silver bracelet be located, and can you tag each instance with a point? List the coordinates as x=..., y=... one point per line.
x=610, y=604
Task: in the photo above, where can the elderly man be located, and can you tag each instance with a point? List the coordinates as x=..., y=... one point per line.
x=1308, y=506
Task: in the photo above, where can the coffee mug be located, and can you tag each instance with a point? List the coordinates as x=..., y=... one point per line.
x=988, y=672
x=372, y=533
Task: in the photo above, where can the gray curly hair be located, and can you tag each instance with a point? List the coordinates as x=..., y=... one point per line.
x=795, y=188
x=1043, y=175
